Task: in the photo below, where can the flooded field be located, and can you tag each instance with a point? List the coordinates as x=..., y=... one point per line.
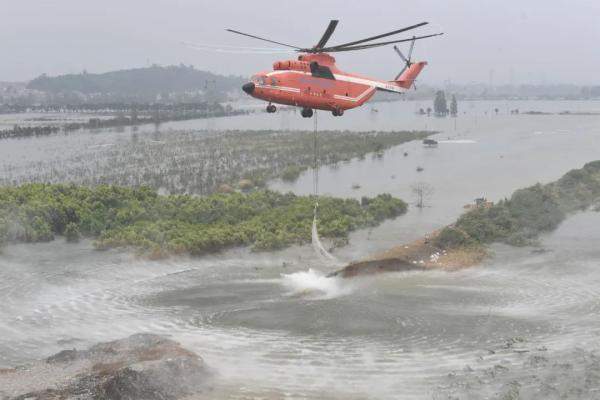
x=272, y=326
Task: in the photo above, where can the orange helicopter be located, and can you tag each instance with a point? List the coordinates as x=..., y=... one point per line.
x=313, y=81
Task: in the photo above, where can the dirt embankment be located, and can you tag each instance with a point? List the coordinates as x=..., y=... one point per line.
x=516, y=221
x=422, y=254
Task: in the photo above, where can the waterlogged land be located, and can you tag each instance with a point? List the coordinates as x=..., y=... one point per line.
x=517, y=221
x=200, y=162
x=119, y=116
x=524, y=324
x=160, y=225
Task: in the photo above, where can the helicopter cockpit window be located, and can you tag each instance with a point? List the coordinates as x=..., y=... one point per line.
x=259, y=79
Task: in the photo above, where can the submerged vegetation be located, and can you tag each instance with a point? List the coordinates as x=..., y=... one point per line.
x=141, y=190
x=197, y=162
x=140, y=218
x=137, y=115
x=528, y=213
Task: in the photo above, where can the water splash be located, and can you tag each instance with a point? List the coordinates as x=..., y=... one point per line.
x=313, y=282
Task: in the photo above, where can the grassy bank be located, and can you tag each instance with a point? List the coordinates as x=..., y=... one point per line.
x=516, y=221
x=528, y=213
x=158, y=225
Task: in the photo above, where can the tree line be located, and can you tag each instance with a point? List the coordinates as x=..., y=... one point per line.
x=440, y=106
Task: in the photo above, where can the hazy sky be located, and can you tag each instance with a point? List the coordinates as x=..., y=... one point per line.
x=533, y=41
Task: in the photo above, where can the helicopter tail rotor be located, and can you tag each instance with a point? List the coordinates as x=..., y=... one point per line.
x=407, y=60
x=407, y=76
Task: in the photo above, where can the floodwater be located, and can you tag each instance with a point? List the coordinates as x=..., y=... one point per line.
x=271, y=324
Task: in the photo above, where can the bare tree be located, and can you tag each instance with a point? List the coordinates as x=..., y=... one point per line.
x=422, y=191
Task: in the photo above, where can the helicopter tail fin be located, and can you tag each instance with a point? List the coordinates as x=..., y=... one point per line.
x=406, y=79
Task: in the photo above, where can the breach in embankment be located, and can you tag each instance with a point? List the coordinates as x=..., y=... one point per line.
x=516, y=221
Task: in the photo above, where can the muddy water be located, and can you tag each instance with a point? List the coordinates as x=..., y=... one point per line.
x=270, y=329
x=273, y=326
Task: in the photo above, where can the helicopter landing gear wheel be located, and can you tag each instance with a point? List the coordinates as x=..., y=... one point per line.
x=306, y=112
x=337, y=112
x=271, y=108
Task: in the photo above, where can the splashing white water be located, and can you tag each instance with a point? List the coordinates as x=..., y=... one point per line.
x=326, y=257
x=315, y=283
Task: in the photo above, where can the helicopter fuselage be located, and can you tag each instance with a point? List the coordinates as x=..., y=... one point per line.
x=313, y=81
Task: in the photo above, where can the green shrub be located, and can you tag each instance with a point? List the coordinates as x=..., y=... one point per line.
x=451, y=238
x=3, y=229
x=592, y=167
x=72, y=232
x=519, y=239
x=140, y=218
x=535, y=209
x=480, y=225
x=291, y=173
x=38, y=230
x=385, y=206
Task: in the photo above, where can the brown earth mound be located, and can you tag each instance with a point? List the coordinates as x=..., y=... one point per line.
x=421, y=254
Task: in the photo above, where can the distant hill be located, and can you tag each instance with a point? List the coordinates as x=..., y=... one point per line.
x=139, y=83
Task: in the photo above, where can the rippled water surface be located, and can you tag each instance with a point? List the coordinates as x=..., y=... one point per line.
x=272, y=325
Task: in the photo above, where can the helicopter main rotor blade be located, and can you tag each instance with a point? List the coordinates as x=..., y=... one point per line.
x=223, y=48
x=328, y=32
x=372, y=45
x=240, y=51
x=263, y=39
x=375, y=37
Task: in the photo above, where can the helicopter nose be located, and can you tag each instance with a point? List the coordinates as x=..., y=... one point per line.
x=248, y=87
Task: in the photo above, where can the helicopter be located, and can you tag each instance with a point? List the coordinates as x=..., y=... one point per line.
x=314, y=82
